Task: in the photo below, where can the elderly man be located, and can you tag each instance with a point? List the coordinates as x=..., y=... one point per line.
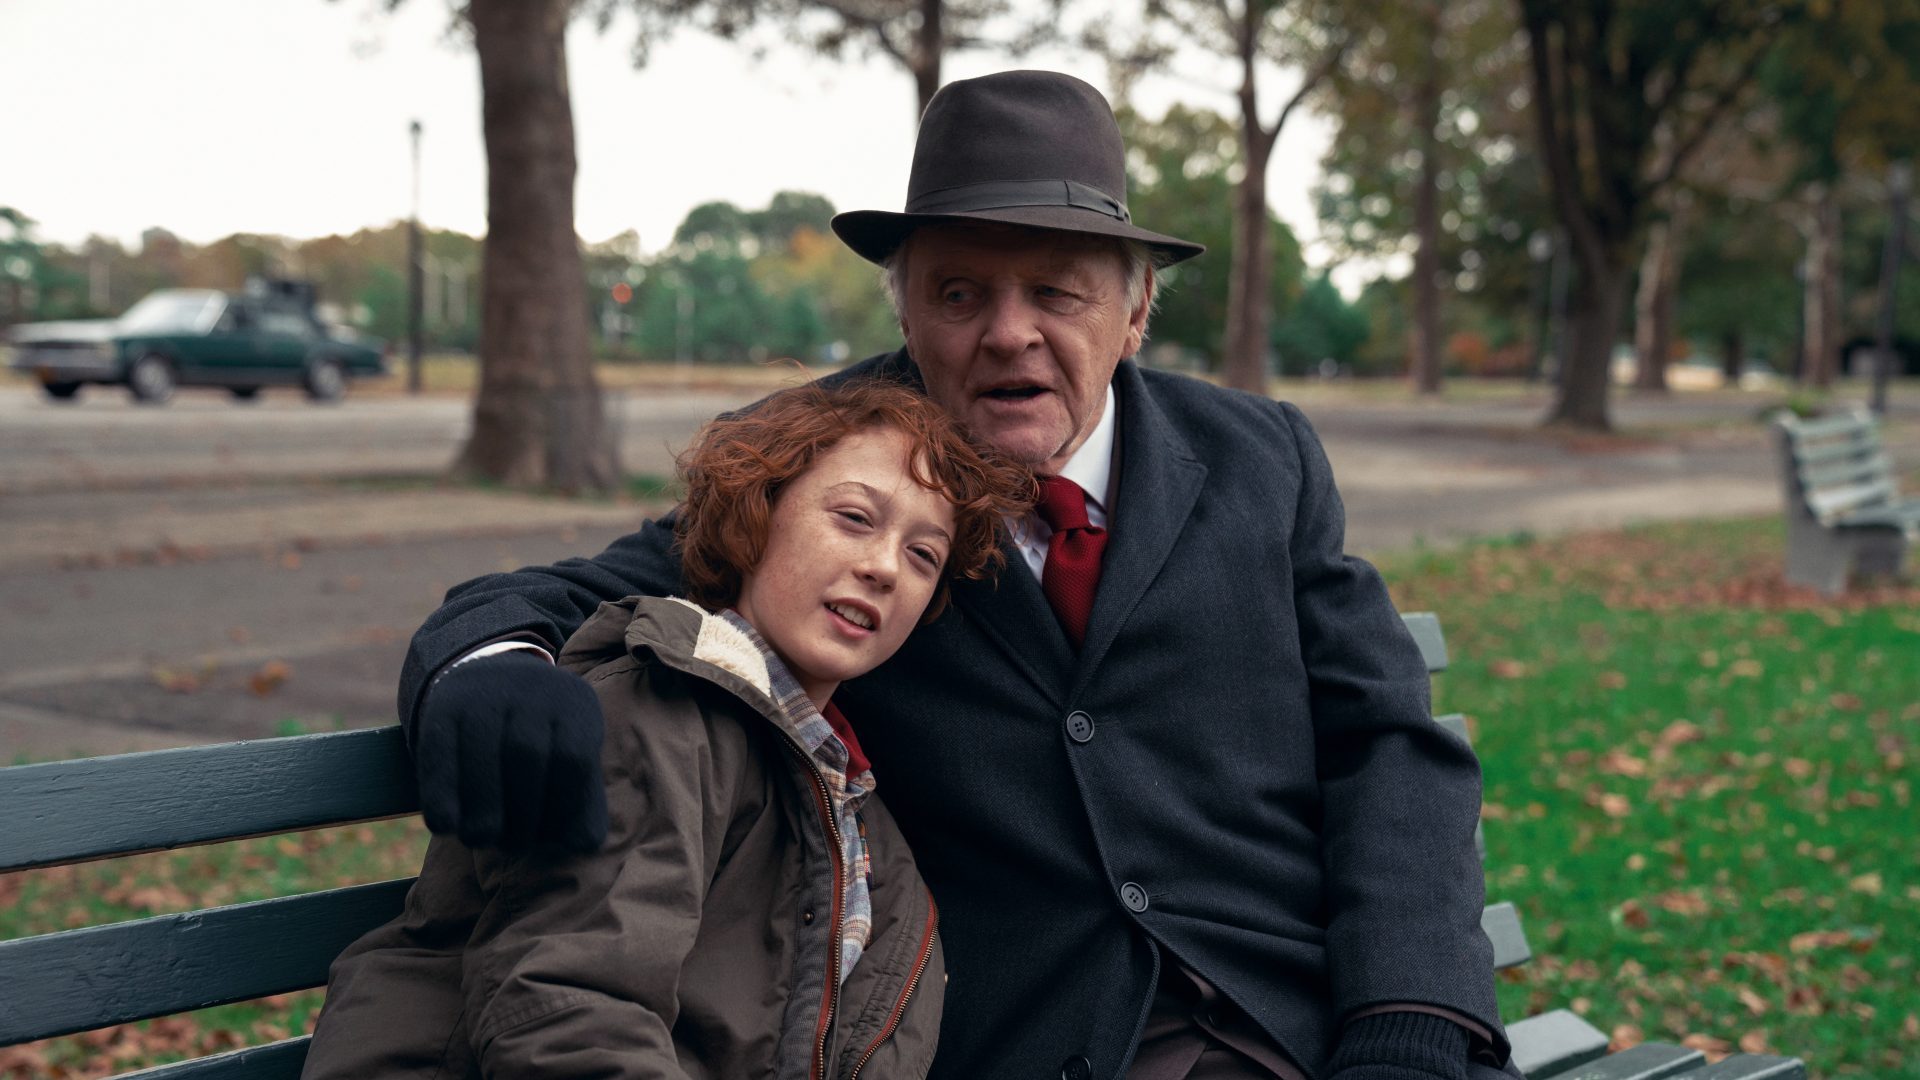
x=1172, y=779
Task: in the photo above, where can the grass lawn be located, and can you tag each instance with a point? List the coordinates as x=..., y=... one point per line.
x=1699, y=791
x=1699, y=787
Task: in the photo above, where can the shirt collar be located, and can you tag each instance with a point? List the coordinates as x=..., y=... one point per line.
x=1091, y=466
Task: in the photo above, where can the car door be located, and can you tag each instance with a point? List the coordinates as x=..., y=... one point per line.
x=225, y=353
x=286, y=338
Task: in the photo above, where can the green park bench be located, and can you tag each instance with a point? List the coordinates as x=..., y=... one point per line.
x=71, y=981
x=1844, y=511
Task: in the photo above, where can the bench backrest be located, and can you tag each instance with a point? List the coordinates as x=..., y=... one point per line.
x=94, y=808
x=1835, y=465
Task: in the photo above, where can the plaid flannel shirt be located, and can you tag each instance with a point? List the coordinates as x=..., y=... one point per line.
x=800, y=719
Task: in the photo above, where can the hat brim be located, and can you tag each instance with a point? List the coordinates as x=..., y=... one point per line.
x=875, y=235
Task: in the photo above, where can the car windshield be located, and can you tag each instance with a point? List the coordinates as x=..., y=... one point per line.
x=174, y=311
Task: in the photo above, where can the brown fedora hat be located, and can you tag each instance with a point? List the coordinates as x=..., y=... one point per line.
x=1032, y=148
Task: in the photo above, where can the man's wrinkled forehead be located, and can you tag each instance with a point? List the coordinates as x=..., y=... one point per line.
x=969, y=245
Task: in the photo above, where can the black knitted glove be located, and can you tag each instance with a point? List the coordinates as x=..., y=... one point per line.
x=507, y=752
x=1401, y=1046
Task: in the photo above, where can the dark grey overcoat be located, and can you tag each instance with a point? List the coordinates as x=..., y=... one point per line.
x=1256, y=785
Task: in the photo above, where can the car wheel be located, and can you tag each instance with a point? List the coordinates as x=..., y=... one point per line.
x=326, y=381
x=151, y=379
x=61, y=391
x=244, y=393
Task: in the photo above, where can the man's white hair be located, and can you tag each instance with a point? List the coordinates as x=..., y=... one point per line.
x=1136, y=259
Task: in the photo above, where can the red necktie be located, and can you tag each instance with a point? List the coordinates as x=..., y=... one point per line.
x=1072, y=572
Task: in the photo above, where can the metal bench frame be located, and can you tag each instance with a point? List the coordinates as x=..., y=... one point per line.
x=94, y=808
x=1845, y=514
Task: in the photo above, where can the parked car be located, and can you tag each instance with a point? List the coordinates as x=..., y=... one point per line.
x=265, y=335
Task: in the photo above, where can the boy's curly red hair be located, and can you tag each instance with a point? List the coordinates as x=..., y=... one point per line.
x=738, y=465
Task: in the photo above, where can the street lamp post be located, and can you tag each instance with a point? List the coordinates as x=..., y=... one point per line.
x=415, y=264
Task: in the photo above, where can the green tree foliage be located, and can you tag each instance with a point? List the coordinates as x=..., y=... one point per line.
x=1737, y=295
x=1180, y=177
x=1321, y=326
x=1623, y=96
x=1488, y=192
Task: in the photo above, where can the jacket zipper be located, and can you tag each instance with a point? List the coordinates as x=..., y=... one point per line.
x=833, y=923
x=900, y=1006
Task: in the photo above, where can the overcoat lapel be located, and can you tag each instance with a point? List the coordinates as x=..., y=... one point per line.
x=1160, y=480
x=1014, y=613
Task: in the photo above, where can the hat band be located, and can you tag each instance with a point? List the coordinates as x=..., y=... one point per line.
x=1003, y=194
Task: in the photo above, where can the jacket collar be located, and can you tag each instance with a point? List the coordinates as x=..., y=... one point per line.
x=1159, y=482
x=720, y=648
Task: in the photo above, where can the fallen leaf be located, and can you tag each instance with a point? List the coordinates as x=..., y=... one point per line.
x=1682, y=902
x=1631, y=915
x=1625, y=1037
x=1910, y=1028
x=1508, y=669
x=1755, y=1004
x=1866, y=883
x=1755, y=1042
x=1680, y=731
x=1818, y=939
x=1798, y=768
x=1618, y=762
x=1714, y=1048
x=268, y=678
x=176, y=682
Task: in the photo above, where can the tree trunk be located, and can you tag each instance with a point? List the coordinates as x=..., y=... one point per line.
x=1593, y=321
x=1653, y=306
x=1823, y=288
x=928, y=45
x=538, y=420
x=1899, y=178
x=1733, y=357
x=1425, y=369
x=1247, y=288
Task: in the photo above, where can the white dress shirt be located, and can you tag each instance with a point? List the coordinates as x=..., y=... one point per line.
x=1091, y=467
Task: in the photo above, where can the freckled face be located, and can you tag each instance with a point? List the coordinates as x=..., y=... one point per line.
x=1017, y=333
x=855, y=553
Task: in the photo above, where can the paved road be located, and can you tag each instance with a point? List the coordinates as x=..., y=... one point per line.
x=194, y=573
x=105, y=441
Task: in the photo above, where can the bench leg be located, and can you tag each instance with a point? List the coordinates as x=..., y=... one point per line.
x=1879, y=553
x=1817, y=557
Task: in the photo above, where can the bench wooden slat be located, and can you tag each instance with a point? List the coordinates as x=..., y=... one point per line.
x=1647, y=1061
x=1850, y=422
x=1831, y=503
x=281, y=1060
x=77, y=980
x=68, y=811
x=1902, y=515
x=1752, y=1067
x=1457, y=724
x=1822, y=475
x=1551, y=1043
x=1425, y=627
x=1502, y=925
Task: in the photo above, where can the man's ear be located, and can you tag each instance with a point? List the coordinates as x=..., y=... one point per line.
x=1137, y=318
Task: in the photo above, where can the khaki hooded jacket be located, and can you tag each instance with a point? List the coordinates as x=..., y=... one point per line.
x=699, y=941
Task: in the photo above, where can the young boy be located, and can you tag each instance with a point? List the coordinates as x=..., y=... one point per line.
x=755, y=911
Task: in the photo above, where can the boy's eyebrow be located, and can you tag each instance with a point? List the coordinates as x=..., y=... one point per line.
x=873, y=492
x=879, y=496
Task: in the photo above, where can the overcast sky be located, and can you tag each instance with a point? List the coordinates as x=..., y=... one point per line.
x=210, y=117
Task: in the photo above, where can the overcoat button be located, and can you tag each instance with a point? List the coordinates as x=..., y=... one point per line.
x=806, y=917
x=1079, y=727
x=1134, y=897
x=1076, y=1068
